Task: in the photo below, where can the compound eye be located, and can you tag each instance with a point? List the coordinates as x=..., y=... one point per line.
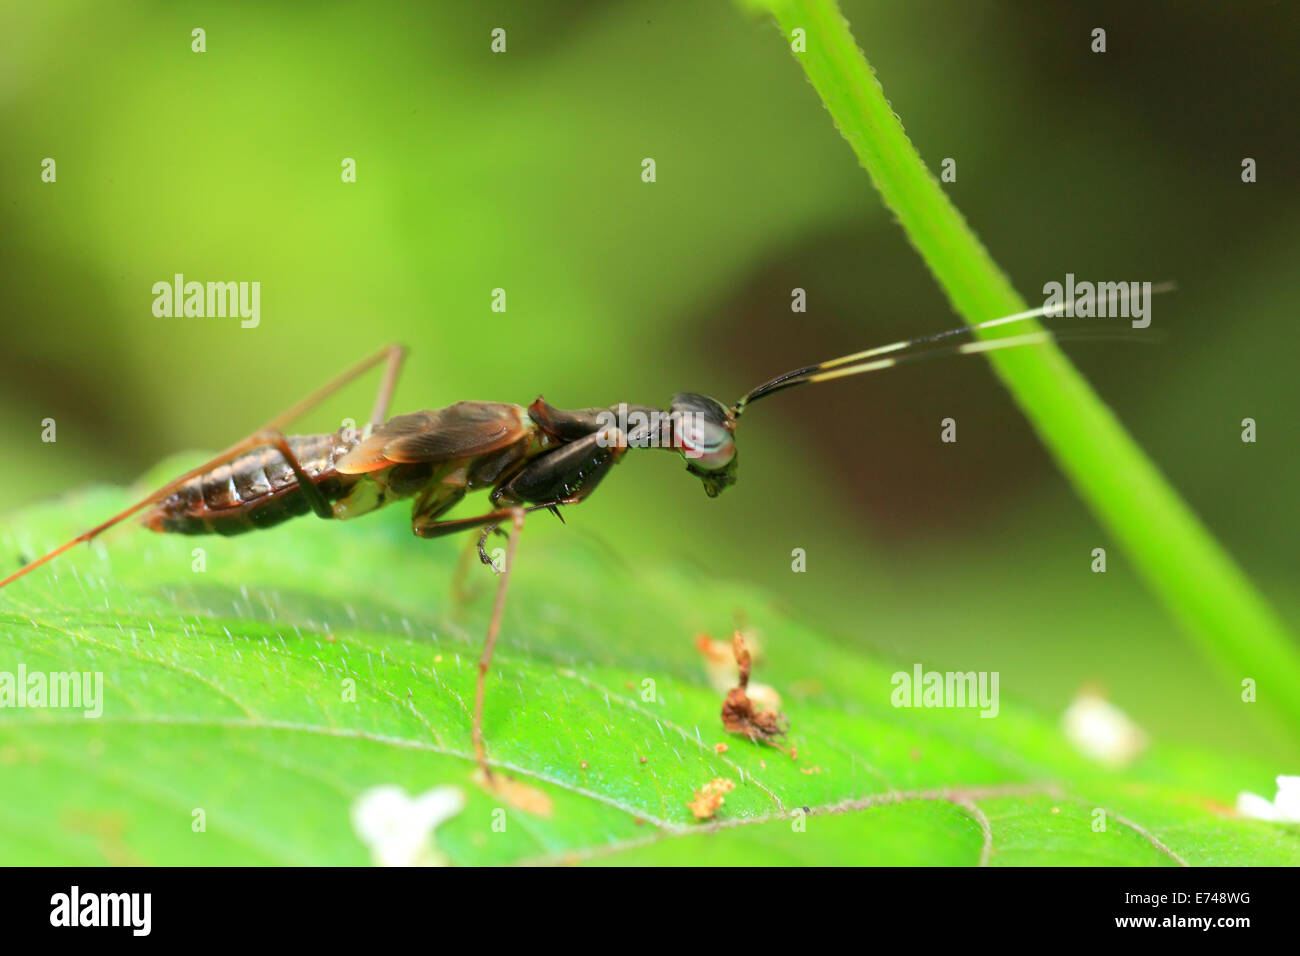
x=707, y=445
x=703, y=431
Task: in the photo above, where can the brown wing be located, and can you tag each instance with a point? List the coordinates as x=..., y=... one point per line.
x=463, y=430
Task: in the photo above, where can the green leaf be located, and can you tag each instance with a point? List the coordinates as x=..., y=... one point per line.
x=1182, y=563
x=224, y=690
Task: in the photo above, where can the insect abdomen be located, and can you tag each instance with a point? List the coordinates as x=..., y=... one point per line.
x=257, y=490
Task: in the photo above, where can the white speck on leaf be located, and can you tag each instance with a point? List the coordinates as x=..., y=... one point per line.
x=1101, y=731
x=399, y=829
x=1284, y=807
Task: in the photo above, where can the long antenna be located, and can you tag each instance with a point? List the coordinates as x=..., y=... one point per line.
x=816, y=373
x=825, y=374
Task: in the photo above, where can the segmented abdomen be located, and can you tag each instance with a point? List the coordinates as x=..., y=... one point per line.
x=256, y=490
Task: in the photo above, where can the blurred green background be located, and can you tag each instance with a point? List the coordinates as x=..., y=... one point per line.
x=523, y=171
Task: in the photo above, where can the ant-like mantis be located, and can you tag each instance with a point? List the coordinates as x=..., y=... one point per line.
x=533, y=458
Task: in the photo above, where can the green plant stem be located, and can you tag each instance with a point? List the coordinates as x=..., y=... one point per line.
x=1174, y=552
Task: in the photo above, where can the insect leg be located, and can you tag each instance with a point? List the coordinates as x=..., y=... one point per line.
x=481, y=548
x=437, y=529
x=462, y=591
x=494, y=626
x=265, y=435
x=393, y=353
x=565, y=476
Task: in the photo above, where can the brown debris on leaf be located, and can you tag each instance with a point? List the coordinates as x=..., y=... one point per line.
x=710, y=797
x=741, y=714
x=519, y=795
x=715, y=652
x=720, y=661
